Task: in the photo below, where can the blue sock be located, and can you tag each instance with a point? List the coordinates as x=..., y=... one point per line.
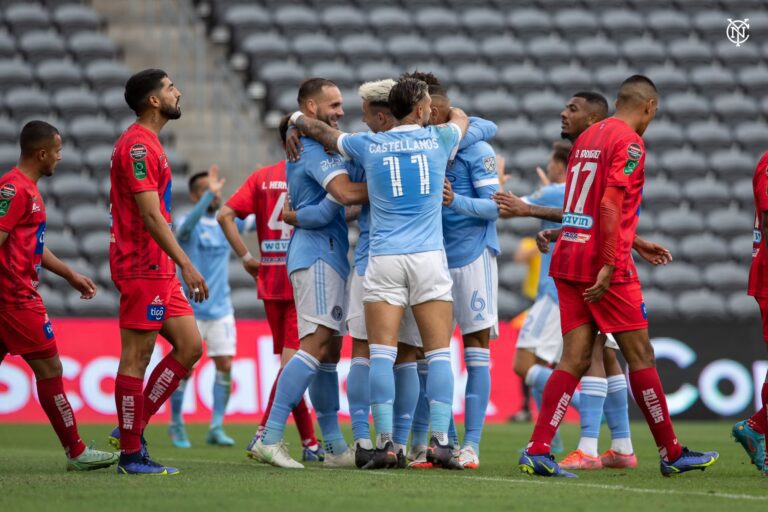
x=593, y=391
x=406, y=398
x=358, y=394
x=324, y=393
x=420, y=426
x=617, y=407
x=537, y=378
x=478, y=392
x=294, y=380
x=177, y=401
x=222, y=386
x=382, y=382
x=440, y=392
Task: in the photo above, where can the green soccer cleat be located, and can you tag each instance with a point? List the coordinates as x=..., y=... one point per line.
x=92, y=459
x=752, y=442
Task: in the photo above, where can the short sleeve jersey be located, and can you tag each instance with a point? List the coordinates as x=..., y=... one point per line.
x=307, y=179
x=264, y=194
x=22, y=216
x=471, y=174
x=551, y=196
x=758, y=272
x=607, y=154
x=138, y=165
x=405, y=169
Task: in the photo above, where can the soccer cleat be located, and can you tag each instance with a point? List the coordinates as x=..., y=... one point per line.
x=557, y=444
x=542, y=465
x=217, y=437
x=402, y=460
x=383, y=458
x=343, y=460
x=275, y=455
x=417, y=458
x=577, y=459
x=752, y=442
x=468, y=458
x=443, y=456
x=137, y=464
x=688, y=461
x=114, y=442
x=250, y=452
x=178, y=435
x=363, y=456
x=313, y=455
x=617, y=460
x=92, y=459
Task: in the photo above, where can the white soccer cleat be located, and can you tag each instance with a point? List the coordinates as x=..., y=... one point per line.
x=275, y=455
x=468, y=458
x=343, y=460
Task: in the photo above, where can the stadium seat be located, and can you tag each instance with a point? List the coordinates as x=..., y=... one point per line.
x=375, y=71
x=643, y=52
x=550, y=51
x=340, y=21
x=443, y=73
x=570, y=79
x=104, y=304
x=609, y=78
x=9, y=133
x=54, y=216
x=754, y=79
x=92, y=46
x=71, y=162
x=528, y=159
x=677, y=276
x=495, y=105
x=476, y=77
x=28, y=103
x=646, y=223
x=751, y=137
x=729, y=222
x=362, y=49
x=741, y=248
x=295, y=20
x=670, y=243
x=311, y=48
x=15, y=74
x=73, y=189
x=87, y=218
x=684, y=164
x=550, y=131
x=390, y=20
x=713, y=80
x=278, y=74
x=706, y=194
x=95, y=247
x=520, y=187
x=659, y=304
x=595, y=50
x=735, y=108
x=246, y=304
x=23, y=18
x=502, y=50
x=709, y=23
x=265, y=46
x=512, y=275
x=663, y=136
x=42, y=45
x=667, y=24
x=74, y=18
x=740, y=57
x=7, y=46
x=76, y=102
x=680, y=222
x=113, y=103
x=436, y=20
x=700, y=304
x=55, y=75
x=622, y=23
x=62, y=245
x=743, y=192
x=97, y=160
x=247, y=19
x=732, y=165
x=511, y=304
x=480, y=22
x=104, y=74
x=668, y=80
x=9, y=157
x=704, y=248
x=457, y=49
x=522, y=79
x=688, y=52
x=342, y=74
x=239, y=278
x=409, y=50
x=577, y=23
x=90, y=131
x=543, y=106
x=53, y=300
x=529, y=23
x=687, y=107
x=743, y=306
x=177, y=163
x=708, y=136
x=726, y=277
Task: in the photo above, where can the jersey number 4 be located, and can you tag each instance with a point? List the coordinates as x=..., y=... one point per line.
x=275, y=222
x=591, y=169
x=396, y=179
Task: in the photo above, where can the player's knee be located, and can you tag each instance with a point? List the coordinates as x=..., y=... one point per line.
x=521, y=368
x=223, y=364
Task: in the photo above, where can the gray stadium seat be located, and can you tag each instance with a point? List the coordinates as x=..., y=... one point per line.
x=668, y=80
x=741, y=248
x=707, y=194
x=342, y=20
x=443, y=73
x=480, y=22
x=528, y=23
x=713, y=80
x=708, y=136
x=176, y=163
x=88, y=218
x=113, y=103
x=495, y=105
x=686, y=108
x=433, y=20
x=522, y=79
x=71, y=162
x=738, y=56
x=732, y=165
x=104, y=304
x=743, y=192
x=70, y=103
x=503, y=50
x=104, y=74
x=577, y=23
x=362, y=49
x=279, y=74
x=528, y=159
x=729, y=222
x=622, y=23
x=97, y=160
x=683, y=164
x=295, y=20
x=73, y=189
x=26, y=103
x=22, y=18
x=659, y=304
x=734, y=108
x=456, y=49
x=13, y=74
x=610, y=77
x=646, y=223
x=42, y=45
x=63, y=246
x=7, y=46
x=569, y=79
x=314, y=47
x=689, y=52
x=9, y=133
x=550, y=131
x=517, y=134
x=390, y=20
x=670, y=243
x=265, y=46
x=677, y=276
x=752, y=136
x=662, y=136
x=90, y=131
x=543, y=105
x=377, y=71
x=668, y=24
x=246, y=304
x=704, y=248
x=550, y=51
x=9, y=156
x=699, y=304
x=239, y=278
x=409, y=49
x=55, y=75
x=95, y=247
x=92, y=46
x=476, y=77
x=53, y=300
x=710, y=23
x=507, y=241
x=244, y=20
x=287, y=101
x=726, y=277
x=54, y=216
x=515, y=184
x=76, y=18
x=679, y=221
x=754, y=79
x=643, y=52
x=743, y=306
x=342, y=74
x=594, y=50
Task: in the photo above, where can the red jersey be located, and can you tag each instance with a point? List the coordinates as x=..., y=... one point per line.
x=22, y=216
x=263, y=194
x=607, y=154
x=138, y=165
x=758, y=272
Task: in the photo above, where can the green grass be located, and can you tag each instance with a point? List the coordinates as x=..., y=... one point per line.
x=32, y=478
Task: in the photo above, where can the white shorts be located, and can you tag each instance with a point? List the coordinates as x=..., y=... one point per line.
x=219, y=335
x=409, y=332
x=541, y=332
x=408, y=279
x=320, y=294
x=611, y=342
x=475, y=288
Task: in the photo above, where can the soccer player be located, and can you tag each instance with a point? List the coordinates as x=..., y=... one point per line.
x=263, y=194
x=405, y=169
x=204, y=241
x=143, y=256
x=25, y=329
x=751, y=432
x=597, y=282
x=318, y=268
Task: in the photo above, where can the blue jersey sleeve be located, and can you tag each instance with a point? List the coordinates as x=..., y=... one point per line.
x=479, y=130
x=483, y=168
x=318, y=215
x=187, y=224
x=353, y=145
x=323, y=167
x=449, y=136
x=551, y=196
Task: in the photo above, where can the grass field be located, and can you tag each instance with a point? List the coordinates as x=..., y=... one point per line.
x=220, y=479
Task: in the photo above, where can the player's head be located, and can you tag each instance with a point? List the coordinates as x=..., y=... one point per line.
x=40, y=146
x=152, y=90
x=440, y=110
x=584, y=109
x=321, y=99
x=409, y=98
x=376, y=113
x=198, y=185
x=638, y=99
x=282, y=128
x=558, y=161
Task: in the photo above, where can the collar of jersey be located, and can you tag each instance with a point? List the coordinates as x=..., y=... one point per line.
x=406, y=128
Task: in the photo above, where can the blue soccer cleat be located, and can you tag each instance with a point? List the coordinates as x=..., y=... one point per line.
x=310, y=455
x=688, y=461
x=114, y=442
x=137, y=464
x=541, y=465
x=178, y=434
x=557, y=443
x=752, y=442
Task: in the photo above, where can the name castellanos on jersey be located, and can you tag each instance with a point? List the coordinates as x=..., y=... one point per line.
x=404, y=145
x=156, y=310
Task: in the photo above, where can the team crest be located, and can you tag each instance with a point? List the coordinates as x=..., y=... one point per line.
x=8, y=191
x=138, y=152
x=337, y=313
x=489, y=163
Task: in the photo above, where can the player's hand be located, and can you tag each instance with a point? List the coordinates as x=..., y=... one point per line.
x=654, y=254
x=510, y=205
x=84, y=285
x=252, y=267
x=544, y=238
x=289, y=214
x=447, y=193
x=196, y=286
x=596, y=291
x=214, y=183
x=293, y=146
x=542, y=176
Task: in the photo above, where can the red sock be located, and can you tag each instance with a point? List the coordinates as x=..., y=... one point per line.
x=162, y=383
x=304, y=424
x=130, y=407
x=265, y=417
x=554, y=402
x=759, y=421
x=649, y=395
x=60, y=414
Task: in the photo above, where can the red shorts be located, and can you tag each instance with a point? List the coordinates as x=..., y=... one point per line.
x=281, y=315
x=763, y=303
x=146, y=303
x=24, y=331
x=620, y=309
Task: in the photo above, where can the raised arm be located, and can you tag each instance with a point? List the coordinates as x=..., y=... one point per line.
x=460, y=119
x=186, y=228
x=479, y=129
x=317, y=130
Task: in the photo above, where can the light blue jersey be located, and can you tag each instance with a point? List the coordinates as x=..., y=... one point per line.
x=552, y=196
x=474, y=178
x=307, y=179
x=357, y=174
x=405, y=168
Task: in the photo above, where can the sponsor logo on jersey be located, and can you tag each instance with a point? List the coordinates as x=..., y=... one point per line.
x=140, y=169
x=337, y=313
x=48, y=329
x=155, y=313
x=40, y=237
x=630, y=167
x=8, y=191
x=489, y=163
x=581, y=238
x=274, y=245
x=138, y=152
x=157, y=301
x=634, y=151
x=5, y=205
x=577, y=220
x=643, y=311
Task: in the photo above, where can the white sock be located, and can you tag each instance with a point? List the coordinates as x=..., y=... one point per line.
x=382, y=439
x=365, y=444
x=588, y=445
x=623, y=446
x=442, y=437
x=400, y=448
